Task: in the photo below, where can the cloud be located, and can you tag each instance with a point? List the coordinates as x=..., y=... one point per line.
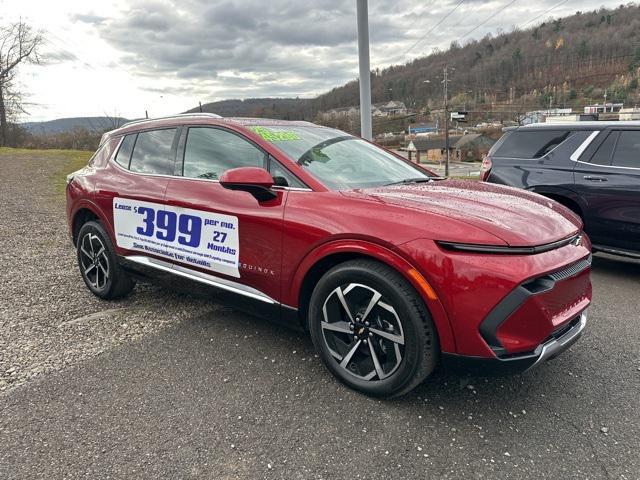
x=213, y=49
x=309, y=44
x=88, y=18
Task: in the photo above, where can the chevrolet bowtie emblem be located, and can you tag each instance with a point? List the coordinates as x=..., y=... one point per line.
x=361, y=331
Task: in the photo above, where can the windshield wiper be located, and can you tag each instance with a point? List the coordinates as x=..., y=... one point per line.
x=408, y=181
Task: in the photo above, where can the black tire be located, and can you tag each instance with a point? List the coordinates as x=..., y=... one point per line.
x=408, y=320
x=99, y=265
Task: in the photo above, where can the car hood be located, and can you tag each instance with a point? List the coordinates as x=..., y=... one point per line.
x=518, y=217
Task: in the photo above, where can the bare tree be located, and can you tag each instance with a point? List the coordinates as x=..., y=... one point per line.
x=18, y=44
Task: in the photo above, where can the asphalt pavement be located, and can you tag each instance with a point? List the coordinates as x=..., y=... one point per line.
x=219, y=394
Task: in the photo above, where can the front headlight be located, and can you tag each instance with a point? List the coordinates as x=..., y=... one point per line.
x=506, y=250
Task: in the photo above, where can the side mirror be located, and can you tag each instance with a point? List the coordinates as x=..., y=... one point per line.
x=256, y=181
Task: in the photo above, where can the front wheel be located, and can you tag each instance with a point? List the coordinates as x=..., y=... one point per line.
x=371, y=329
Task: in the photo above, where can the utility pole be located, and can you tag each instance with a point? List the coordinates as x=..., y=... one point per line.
x=366, y=130
x=445, y=82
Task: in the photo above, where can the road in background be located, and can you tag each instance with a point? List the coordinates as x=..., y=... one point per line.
x=201, y=391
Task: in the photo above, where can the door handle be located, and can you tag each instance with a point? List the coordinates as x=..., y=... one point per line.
x=595, y=178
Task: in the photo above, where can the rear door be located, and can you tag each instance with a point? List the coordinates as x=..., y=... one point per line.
x=132, y=191
x=609, y=184
x=533, y=157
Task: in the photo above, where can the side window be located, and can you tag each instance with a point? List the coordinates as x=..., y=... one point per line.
x=152, y=152
x=211, y=151
x=282, y=177
x=627, y=152
x=123, y=156
x=531, y=144
x=602, y=156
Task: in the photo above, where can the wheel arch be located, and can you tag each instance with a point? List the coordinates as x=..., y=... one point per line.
x=86, y=212
x=571, y=204
x=325, y=257
x=563, y=196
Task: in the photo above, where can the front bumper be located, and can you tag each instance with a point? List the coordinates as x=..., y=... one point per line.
x=547, y=350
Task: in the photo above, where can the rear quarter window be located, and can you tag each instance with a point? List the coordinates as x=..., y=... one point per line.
x=530, y=144
x=124, y=152
x=103, y=154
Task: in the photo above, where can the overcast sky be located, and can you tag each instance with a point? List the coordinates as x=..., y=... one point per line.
x=125, y=57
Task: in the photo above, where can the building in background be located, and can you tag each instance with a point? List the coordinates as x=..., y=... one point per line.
x=422, y=128
x=629, y=114
x=430, y=148
x=603, y=108
x=563, y=118
x=539, y=116
x=391, y=109
x=386, y=109
x=472, y=147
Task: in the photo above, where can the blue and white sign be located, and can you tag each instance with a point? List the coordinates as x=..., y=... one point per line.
x=193, y=237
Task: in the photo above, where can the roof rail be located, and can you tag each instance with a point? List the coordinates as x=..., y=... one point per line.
x=179, y=115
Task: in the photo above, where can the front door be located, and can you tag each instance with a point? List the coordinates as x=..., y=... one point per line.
x=241, y=238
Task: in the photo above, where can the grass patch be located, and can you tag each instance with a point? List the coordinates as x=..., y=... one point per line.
x=75, y=160
x=48, y=153
x=66, y=161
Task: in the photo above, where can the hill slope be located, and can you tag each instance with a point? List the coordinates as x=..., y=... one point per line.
x=62, y=125
x=579, y=53
x=283, y=108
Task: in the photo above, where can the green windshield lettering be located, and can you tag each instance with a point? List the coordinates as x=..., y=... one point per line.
x=275, y=136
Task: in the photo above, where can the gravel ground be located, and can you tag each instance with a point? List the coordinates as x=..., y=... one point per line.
x=169, y=386
x=48, y=318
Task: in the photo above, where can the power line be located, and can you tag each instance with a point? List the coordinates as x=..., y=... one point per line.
x=432, y=29
x=487, y=19
x=544, y=13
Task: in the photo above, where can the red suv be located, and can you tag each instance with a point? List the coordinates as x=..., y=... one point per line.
x=388, y=267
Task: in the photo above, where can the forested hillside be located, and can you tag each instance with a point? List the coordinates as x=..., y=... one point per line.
x=564, y=62
x=557, y=61
x=283, y=108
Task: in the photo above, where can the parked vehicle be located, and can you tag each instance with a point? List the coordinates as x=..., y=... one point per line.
x=387, y=267
x=593, y=168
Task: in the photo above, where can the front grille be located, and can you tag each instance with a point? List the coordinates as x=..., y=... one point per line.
x=571, y=270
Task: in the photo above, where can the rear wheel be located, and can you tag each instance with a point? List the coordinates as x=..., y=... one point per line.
x=98, y=263
x=371, y=329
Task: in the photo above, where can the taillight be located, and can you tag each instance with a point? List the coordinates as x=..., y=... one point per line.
x=485, y=170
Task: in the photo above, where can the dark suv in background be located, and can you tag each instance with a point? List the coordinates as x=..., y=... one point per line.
x=593, y=168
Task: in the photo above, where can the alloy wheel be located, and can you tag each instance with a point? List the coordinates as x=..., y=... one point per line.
x=362, y=331
x=94, y=261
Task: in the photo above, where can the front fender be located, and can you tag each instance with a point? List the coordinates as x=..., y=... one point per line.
x=387, y=256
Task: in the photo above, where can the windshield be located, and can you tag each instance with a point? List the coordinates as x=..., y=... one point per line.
x=338, y=160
